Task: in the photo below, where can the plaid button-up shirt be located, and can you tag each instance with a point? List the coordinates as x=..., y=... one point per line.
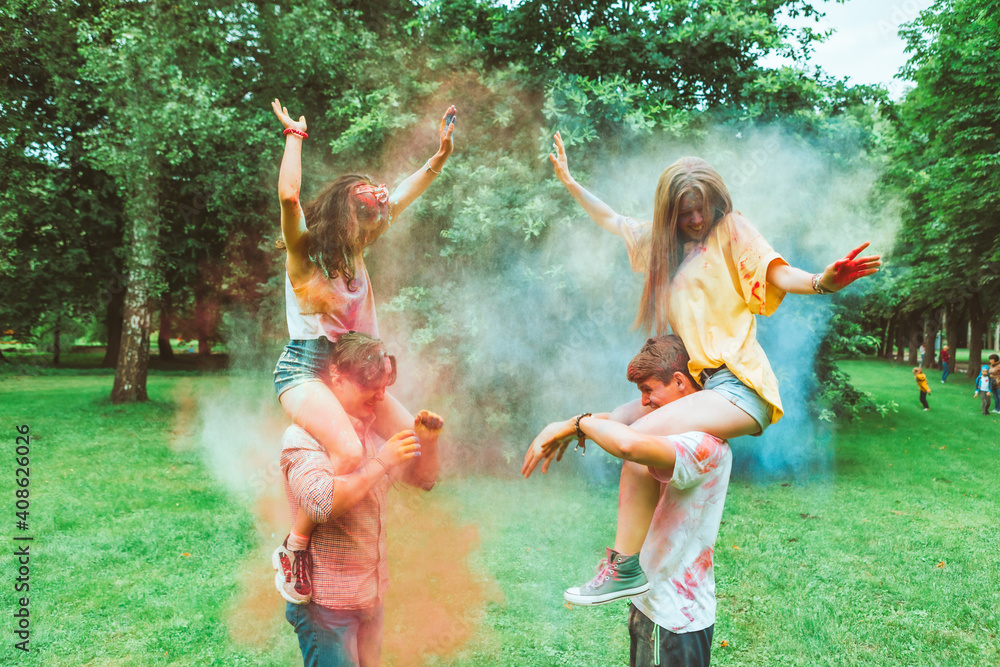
x=350, y=566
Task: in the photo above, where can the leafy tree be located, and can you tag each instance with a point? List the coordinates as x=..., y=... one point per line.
x=59, y=215
x=946, y=160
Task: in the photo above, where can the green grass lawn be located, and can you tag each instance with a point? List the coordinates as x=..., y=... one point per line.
x=142, y=556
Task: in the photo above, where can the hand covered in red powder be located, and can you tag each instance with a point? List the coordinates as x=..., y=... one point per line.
x=550, y=444
x=427, y=425
x=845, y=271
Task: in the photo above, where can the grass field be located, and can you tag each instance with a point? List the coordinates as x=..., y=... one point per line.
x=143, y=555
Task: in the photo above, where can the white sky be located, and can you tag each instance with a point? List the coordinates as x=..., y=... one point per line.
x=865, y=46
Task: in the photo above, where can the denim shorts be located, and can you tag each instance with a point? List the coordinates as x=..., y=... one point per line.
x=302, y=361
x=746, y=399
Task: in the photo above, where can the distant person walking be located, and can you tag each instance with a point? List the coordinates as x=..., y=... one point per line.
x=985, y=387
x=995, y=376
x=918, y=373
x=945, y=364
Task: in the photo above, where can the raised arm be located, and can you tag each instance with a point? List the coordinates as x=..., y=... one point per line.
x=418, y=181
x=293, y=227
x=834, y=278
x=422, y=471
x=601, y=213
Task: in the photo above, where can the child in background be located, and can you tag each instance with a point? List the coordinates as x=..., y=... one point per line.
x=945, y=364
x=328, y=293
x=984, y=387
x=995, y=375
x=918, y=373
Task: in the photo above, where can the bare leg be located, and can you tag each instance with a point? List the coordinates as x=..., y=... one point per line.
x=314, y=407
x=638, y=492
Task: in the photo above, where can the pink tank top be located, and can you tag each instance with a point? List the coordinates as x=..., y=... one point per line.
x=325, y=307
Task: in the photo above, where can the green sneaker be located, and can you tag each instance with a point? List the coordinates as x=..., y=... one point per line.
x=617, y=577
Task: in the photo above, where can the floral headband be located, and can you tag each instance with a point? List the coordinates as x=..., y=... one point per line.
x=381, y=192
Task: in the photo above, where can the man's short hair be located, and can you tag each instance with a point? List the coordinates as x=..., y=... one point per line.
x=994, y=357
x=364, y=359
x=660, y=358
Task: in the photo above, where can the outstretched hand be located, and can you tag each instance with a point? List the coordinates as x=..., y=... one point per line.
x=550, y=444
x=845, y=271
x=558, y=160
x=447, y=128
x=286, y=120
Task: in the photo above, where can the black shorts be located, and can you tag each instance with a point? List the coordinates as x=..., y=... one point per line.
x=651, y=646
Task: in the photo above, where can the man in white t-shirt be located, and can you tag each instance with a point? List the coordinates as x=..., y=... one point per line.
x=672, y=623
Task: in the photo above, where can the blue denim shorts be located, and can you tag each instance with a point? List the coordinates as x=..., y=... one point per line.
x=746, y=399
x=302, y=361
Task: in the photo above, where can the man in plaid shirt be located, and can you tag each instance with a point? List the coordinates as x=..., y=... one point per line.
x=343, y=624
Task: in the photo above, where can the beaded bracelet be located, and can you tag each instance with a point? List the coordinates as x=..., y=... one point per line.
x=817, y=287
x=429, y=168
x=581, y=437
x=297, y=133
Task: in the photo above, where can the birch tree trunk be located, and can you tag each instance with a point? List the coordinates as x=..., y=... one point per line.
x=133, y=357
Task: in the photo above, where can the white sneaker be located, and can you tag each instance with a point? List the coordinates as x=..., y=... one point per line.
x=293, y=578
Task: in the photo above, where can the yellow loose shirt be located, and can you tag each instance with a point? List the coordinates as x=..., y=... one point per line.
x=715, y=293
x=922, y=383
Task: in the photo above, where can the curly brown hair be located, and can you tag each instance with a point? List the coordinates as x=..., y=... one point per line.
x=342, y=223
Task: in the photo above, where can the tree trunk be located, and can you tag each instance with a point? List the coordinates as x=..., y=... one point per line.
x=890, y=337
x=977, y=329
x=914, y=326
x=165, y=333
x=143, y=222
x=201, y=317
x=901, y=323
x=114, y=316
x=996, y=339
x=953, y=323
x=931, y=327
x=56, y=331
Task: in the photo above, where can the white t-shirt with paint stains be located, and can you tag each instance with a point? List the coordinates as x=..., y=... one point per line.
x=677, y=553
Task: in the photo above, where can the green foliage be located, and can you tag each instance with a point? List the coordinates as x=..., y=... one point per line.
x=59, y=217
x=186, y=109
x=944, y=158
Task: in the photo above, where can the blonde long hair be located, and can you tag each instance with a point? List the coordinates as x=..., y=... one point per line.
x=688, y=175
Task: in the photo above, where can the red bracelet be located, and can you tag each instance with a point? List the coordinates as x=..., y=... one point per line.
x=297, y=133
